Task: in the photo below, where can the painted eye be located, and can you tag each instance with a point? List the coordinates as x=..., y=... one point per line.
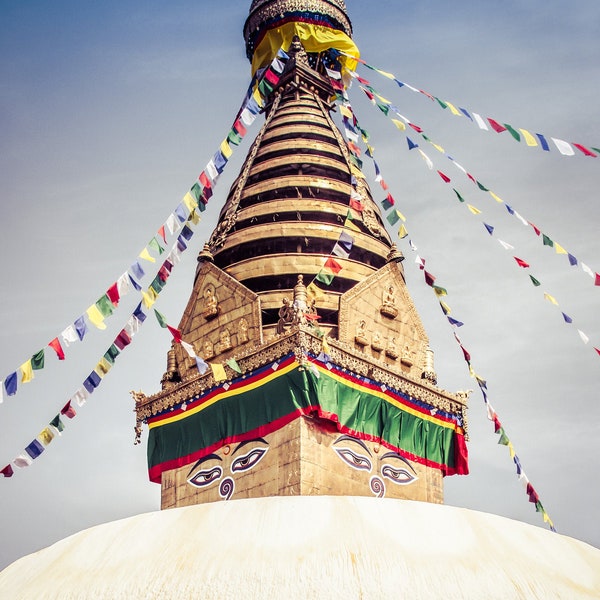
x=399, y=475
x=249, y=460
x=205, y=477
x=356, y=461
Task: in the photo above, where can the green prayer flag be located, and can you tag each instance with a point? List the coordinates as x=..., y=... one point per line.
x=482, y=187
x=386, y=204
x=513, y=132
x=393, y=217
x=355, y=161
x=111, y=354
x=57, y=423
x=440, y=291
x=162, y=321
x=534, y=281
x=547, y=240
x=232, y=363
x=460, y=198
x=234, y=137
x=196, y=191
x=105, y=306
x=155, y=245
x=441, y=103
x=37, y=360
x=503, y=437
x=324, y=277
x=158, y=284
x=383, y=108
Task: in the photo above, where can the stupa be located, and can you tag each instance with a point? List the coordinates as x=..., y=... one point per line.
x=311, y=463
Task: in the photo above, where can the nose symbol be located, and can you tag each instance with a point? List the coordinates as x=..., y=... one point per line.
x=226, y=488
x=377, y=486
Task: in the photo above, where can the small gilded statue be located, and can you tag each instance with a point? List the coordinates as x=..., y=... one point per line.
x=390, y=350
x=211, y=305
x=389, y=308
x=224, y=341
x=361, y=333
x=243, y=331
x=376, y=342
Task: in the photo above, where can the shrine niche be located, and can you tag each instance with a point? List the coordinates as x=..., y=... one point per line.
x=379, y=319
x=222, y=316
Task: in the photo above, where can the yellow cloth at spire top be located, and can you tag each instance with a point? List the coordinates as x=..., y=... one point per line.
x=314, y=38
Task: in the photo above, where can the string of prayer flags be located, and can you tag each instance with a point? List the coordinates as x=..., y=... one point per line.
x=517, y=133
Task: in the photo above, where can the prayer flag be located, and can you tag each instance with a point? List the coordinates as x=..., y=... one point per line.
x=460, y=198
x=567, y=318
x=218, y=372
x=146, y=256
x=597, y=279
x=113, y=295
x=513, y=132
x=69, y=335
x=534, y=281
x=201, y=365
x=175, y=333
x=521, y=262
x=315, y=291
x=92, y=381
x=429, y=278
x=583, y=149
x=22, y=461
x=57, y=422
x=7, y=471
x=489, y=228
x=181, y=212
x=103, y=367
x=426, y=159
x=563, y=147
x=37, y=361
x=444, y=177
x=10, y=384
x=80, y=396
x=172, y=224
x=543, y=142
x=474, y=210
x=584, y=338
x=537, y=231
x=411, y=144
x=333, y=265
x=402, y=233
x=325, y=278
x=465, y=112
x=162, y=321
x=112, y=353
x=225, y=148
x=394, y=217
x=587, y=270
x=550, y=298
x=399, y=124
x=105, y=306
x=122, y=340
x=134, y=283
x=547, y=241
x=189, y=348
x=26, y=372
x=388, y=202
x=233, y=365
x=529, y=139
x=34, y=449
x=506, y=245
x=136, y=269
x=95, y=317
x=496, y=197
x=480, y=122
x=454, y=322
x=496, y=126
x=46, y=436
x=440, y=291
x=161, y=232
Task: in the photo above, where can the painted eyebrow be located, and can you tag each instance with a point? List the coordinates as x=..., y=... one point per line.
x=349, y=438
x=242, y=444
x=396, y=455
x=207, y=457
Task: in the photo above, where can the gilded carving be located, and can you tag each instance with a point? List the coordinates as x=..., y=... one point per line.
x=211, y=305
x=376, y=342
x=361, y=333
x=391, y=350
x=243, y=331
x=224, y=343
x=389, y=308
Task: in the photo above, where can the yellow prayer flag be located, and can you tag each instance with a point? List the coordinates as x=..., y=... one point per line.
x=314, y=291
x=194, y=217
x=350, y=225
x=148, y=298
x=529, y=139
x=474, y=210
x=453, y=109
x=257, y=97
x=550, y=298
x=472, y=372
x=402, y=233
x=190, y=201
x=325, y=346
x=357, y=172
x=46, y=436
x=445, y=308
x=103, y=367
x=147, y=256
x=218, y=371
x=399, y=124
x=496, y=197
x=511, y=449
x=385, y=74
x=438, y=147
x=225, y=149
x=382, y=99
x=401, y=216
x=26, y=372
x=95, y=317
x=345, y=111
x=559, y=249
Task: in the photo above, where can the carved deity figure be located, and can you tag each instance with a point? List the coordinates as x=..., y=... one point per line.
x=389, y=308
x=390, y=349
x=208, y=350
x=376, y=343
x=361, y=333
x=211, y=305
x=243, y=331
x=224, y=341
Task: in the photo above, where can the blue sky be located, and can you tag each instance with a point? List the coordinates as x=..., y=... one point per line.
x=109, y=111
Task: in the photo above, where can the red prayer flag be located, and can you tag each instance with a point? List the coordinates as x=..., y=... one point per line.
x=521, y=263
x=204, y=180
x=122, y=340
x=533, y=495
x=537, y=231
x=362, y=80
x=67, y=410
x=597, y=282
x=240, y=128
x=7, y=471
x=471, y=178
x=55, y=345
x=333, y=265
x=597, y=350
x=113, y=294
x=162, y=233
x=466, y=354
x=416, y=128
x=496, y=126
x=353, y=148
x=583, y=149
x=497, y=424
x=384, y=185
x=444, y=177
x=356, y=205
x=429, y=278
x=175, y=333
